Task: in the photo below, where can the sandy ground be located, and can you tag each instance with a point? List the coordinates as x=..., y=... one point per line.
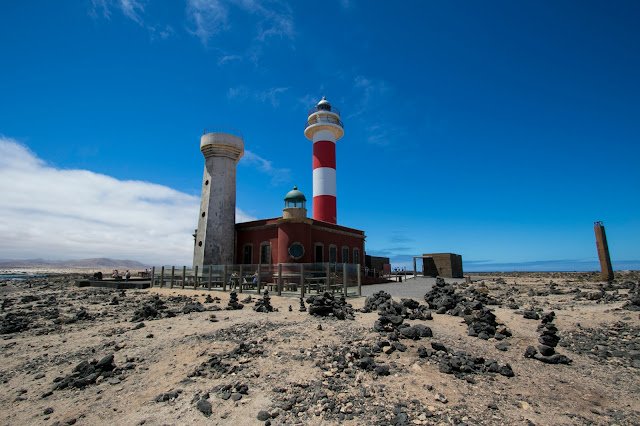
x=302, y=369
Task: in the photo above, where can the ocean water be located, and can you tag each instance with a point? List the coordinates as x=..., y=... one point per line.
x=19, y=277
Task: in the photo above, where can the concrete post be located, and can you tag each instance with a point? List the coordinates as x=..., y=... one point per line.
x=280, y=279
x=344, y=279
x=210, y=275
x=240, y=280
x=184, y=275
x=162, y=277
x=302, y=280
x=195, y=277
x=153, y=274
x=173, y=274
x=606, y=271
x=224, y=278
x=359, y=283
x=415, y=272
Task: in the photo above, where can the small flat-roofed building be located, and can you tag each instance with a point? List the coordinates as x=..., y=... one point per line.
x=446, y=265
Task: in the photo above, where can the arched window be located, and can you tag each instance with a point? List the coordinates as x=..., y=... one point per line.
x=333, y=253
x=265, y=253
x=345, y=254
x=356, y=256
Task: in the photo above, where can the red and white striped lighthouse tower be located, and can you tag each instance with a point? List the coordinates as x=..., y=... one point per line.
x=324, y=128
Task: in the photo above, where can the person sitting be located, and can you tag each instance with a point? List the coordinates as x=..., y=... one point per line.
x=116, y=275
x=232, y=280
x=127, y=275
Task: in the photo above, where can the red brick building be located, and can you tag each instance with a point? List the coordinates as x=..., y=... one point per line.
x=294, y=238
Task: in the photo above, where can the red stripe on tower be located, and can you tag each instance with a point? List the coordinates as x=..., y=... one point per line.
x=324, y=128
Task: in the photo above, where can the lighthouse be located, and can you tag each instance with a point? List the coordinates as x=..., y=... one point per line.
x=222, y=148
x=324, y=128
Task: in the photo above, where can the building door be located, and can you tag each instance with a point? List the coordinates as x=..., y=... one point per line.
x=247, y=254
x=319, y=253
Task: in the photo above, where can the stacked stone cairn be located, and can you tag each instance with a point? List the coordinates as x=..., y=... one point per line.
x=633, y=304
x=461, y=364
x=548, y=341
x=327, y=305
x=233, y=304
x=482, y=323
x=303, y=308
x=264, y=303
x=391, y=316
x=86, y=373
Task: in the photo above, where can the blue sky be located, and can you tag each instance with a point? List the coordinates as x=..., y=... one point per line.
x=497, y=130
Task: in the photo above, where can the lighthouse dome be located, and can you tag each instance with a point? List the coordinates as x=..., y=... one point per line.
x=295, y=198
x=324, y=105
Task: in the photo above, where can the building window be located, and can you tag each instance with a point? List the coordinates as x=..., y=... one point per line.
x=345, y=254
x=356, y=256
x=333, y=254
x=296, y=251
x=265, y=253
x=247, y=254
x=319, y=253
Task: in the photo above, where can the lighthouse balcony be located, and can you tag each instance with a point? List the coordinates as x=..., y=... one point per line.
x=324, y=108
x=323, y=120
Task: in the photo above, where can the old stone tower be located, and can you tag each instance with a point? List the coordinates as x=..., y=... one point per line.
x=214, y=239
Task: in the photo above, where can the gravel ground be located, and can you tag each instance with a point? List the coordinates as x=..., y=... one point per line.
x=170, y=356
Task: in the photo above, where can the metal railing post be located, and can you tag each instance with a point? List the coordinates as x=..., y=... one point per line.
x=210, y=275
x=240, y=279
x=162, y=277
x=195, y=278
x=259, y=279
x=153, y=274
x=184, y=274
x=302, y=279
x=359, y=282
x=279, y=279
x=173, y=274
x=328, y=270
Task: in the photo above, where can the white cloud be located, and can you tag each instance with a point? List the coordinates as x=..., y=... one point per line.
x=99, y=4
x=271, y=95
x=278, y=176
x=239, y=93
x=130, y=8
x=209, y=17
x=229, y=58
x=242, y=93
x=373, y=93
x=71, y=214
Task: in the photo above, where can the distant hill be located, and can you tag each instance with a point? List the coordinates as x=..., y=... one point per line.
x=97, y=263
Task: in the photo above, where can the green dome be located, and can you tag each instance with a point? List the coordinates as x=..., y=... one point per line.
x=294, y=198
